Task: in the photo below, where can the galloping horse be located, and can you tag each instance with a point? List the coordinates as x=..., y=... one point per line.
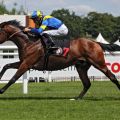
x=83, y=53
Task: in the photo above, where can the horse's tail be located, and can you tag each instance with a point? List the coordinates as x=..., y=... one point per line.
x=109, y=47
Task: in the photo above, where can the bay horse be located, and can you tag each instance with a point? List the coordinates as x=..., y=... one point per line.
x=83, y=53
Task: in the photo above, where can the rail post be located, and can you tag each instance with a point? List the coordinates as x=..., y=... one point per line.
x=25, y=83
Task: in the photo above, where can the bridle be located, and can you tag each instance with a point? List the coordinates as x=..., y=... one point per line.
x=1, y=29
x=15, y=33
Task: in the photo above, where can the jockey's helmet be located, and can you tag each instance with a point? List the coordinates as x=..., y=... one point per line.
x=36, y=14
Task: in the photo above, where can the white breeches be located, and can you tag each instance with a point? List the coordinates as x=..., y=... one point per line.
x=61, y=31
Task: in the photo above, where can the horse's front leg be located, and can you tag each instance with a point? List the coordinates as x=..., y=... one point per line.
x=14, y=65
x=21, y=70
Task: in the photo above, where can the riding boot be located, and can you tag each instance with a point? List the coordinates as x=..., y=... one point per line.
x=49, y=42
x=50, y=45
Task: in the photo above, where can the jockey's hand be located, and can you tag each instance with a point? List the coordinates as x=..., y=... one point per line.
x=27, y=29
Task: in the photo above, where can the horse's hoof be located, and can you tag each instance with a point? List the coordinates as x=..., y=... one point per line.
x=78, y=98
x=1, y=91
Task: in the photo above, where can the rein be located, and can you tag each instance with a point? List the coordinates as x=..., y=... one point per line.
x=14, y=34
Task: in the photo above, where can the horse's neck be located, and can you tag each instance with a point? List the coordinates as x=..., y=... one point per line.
x=21, y=44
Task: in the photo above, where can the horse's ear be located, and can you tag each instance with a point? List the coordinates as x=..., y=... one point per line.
x=22, y=27
x=2, y=24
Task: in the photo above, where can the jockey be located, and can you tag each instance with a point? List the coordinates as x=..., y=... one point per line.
x=47, y=26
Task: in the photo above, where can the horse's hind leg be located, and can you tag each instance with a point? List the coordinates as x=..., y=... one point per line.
x=100, y=65
x=82, y=69
x=112, y=77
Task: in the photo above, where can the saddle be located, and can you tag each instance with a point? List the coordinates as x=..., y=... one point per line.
x=55, y=47
x=62, y=50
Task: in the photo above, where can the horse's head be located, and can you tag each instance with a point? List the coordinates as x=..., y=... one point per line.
x=3, y=36
x=8, y=30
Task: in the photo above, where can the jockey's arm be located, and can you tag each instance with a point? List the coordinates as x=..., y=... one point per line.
x=41, y=28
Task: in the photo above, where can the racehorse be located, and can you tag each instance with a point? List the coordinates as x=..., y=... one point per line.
x=83, y=53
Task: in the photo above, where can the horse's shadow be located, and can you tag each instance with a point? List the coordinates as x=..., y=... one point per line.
x=34, y=98
x=106, y=98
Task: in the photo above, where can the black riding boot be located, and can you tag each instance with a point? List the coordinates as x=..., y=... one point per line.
x=50, y=45
x=49, y=42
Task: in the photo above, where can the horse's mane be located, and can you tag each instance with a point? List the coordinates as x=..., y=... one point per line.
x=12, y=22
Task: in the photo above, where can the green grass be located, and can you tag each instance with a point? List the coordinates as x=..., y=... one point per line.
x=50, y=101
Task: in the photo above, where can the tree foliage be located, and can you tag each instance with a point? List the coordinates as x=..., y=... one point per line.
x=4, y=10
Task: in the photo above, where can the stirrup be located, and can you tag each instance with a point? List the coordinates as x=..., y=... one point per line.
x=57, y=50
x=53, y=48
